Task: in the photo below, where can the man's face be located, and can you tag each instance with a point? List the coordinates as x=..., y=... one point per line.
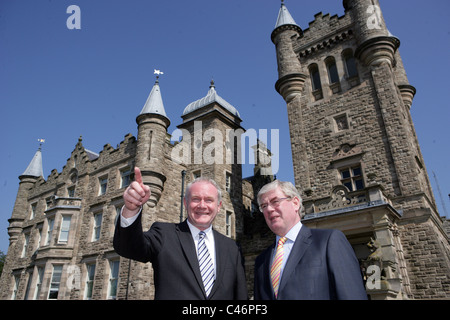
x=283, y=215
x=202, y=204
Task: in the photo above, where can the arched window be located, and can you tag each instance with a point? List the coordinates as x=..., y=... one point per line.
x=315, y=77
x=332, y=70
x=350, y=63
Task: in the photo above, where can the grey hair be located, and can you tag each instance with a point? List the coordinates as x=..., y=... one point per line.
x=204, y=179
x=285, y=186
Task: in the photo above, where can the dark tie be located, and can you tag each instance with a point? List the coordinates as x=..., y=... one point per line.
x=206, y=266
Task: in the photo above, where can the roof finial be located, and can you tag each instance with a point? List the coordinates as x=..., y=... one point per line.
x=157, y=72
x=41, y=141
x=212, y=84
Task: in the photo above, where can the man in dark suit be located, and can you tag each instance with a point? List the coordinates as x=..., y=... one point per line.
x=190, y=260
x=304, y=263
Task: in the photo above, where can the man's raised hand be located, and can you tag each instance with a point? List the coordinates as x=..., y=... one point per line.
x=135, y=195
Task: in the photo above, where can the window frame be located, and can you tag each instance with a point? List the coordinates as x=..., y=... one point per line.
x=125, y=177
x=102, y=182
x=63, y=217
x=97, y=228
x=352, y=179
x=113, y=279
x=55, y=284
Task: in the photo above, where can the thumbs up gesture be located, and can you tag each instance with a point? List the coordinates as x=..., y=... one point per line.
x=136, y=194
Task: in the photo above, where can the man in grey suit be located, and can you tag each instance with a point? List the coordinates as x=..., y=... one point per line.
x=303, y=263
x=191, y=261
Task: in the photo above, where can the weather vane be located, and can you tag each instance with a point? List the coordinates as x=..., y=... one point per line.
x=41, y=141
x=157, y=72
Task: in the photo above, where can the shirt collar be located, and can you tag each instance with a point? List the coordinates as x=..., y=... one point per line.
x=293, y=232
x=195, y=231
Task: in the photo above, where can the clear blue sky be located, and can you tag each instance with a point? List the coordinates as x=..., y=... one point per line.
x=58, y=84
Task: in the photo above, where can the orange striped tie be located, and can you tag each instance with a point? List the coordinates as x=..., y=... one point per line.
x=276, y=265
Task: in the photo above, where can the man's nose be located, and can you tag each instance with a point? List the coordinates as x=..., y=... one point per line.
x=202, y=203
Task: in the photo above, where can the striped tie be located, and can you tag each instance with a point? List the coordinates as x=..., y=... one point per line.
x=206, y=266
x=276, y=265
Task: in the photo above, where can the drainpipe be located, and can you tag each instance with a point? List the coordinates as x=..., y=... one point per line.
x=183, y=174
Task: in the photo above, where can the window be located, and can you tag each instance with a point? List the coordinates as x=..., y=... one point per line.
x=315, y=77
x=228, y=182
x=89, y=281
x=350, y=63
x=352, y=178
x=113, y=278
x=48, y=203
x=71, y=192
x=49, y=230
x=25, y=245
x=33, y=211
x=16, y=287
x=27, y=291
x=332, y=70
x=97, y=226
x=197, y=174
x=125, y=178
x=39, y=237
x=37, y=290
x=103, y=185
x=228, y=219
x=65, y=228
x=54, y=284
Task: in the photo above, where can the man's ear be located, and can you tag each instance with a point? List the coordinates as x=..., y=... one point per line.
x=296, y=202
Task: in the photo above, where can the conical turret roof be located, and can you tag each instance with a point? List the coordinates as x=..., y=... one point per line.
x=34, y=169
x=284, y=17
x=154, y=103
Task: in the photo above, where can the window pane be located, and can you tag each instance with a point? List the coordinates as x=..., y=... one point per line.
x=90, y=280
x=126, y=178
x=356, y=171
x=65, y=227
x=345, y=174
x=315, y=78
x=359, y=184
x=97, y=226
x=114, y=274
x=54, y=285
x=103, y=185
x=332, y=70
x=351, y=66
x=348, y=184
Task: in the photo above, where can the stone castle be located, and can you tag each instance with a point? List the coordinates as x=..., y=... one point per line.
x=357, y=164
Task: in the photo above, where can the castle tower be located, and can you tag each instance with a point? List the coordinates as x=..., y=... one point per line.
x=211, y=138
x=152, y=130
x=291, y=79
x=357, y=161
x=29, y=177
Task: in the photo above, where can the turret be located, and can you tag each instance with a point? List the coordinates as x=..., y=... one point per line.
x=152, y=129
x=290, y=77
x=375, y=43
x=27, y=180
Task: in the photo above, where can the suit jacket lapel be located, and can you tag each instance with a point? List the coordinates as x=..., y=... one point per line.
x=266, y=271
x=188, y=246
x=301, y=244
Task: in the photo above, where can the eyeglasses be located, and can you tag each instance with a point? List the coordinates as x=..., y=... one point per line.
x=274, y=203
